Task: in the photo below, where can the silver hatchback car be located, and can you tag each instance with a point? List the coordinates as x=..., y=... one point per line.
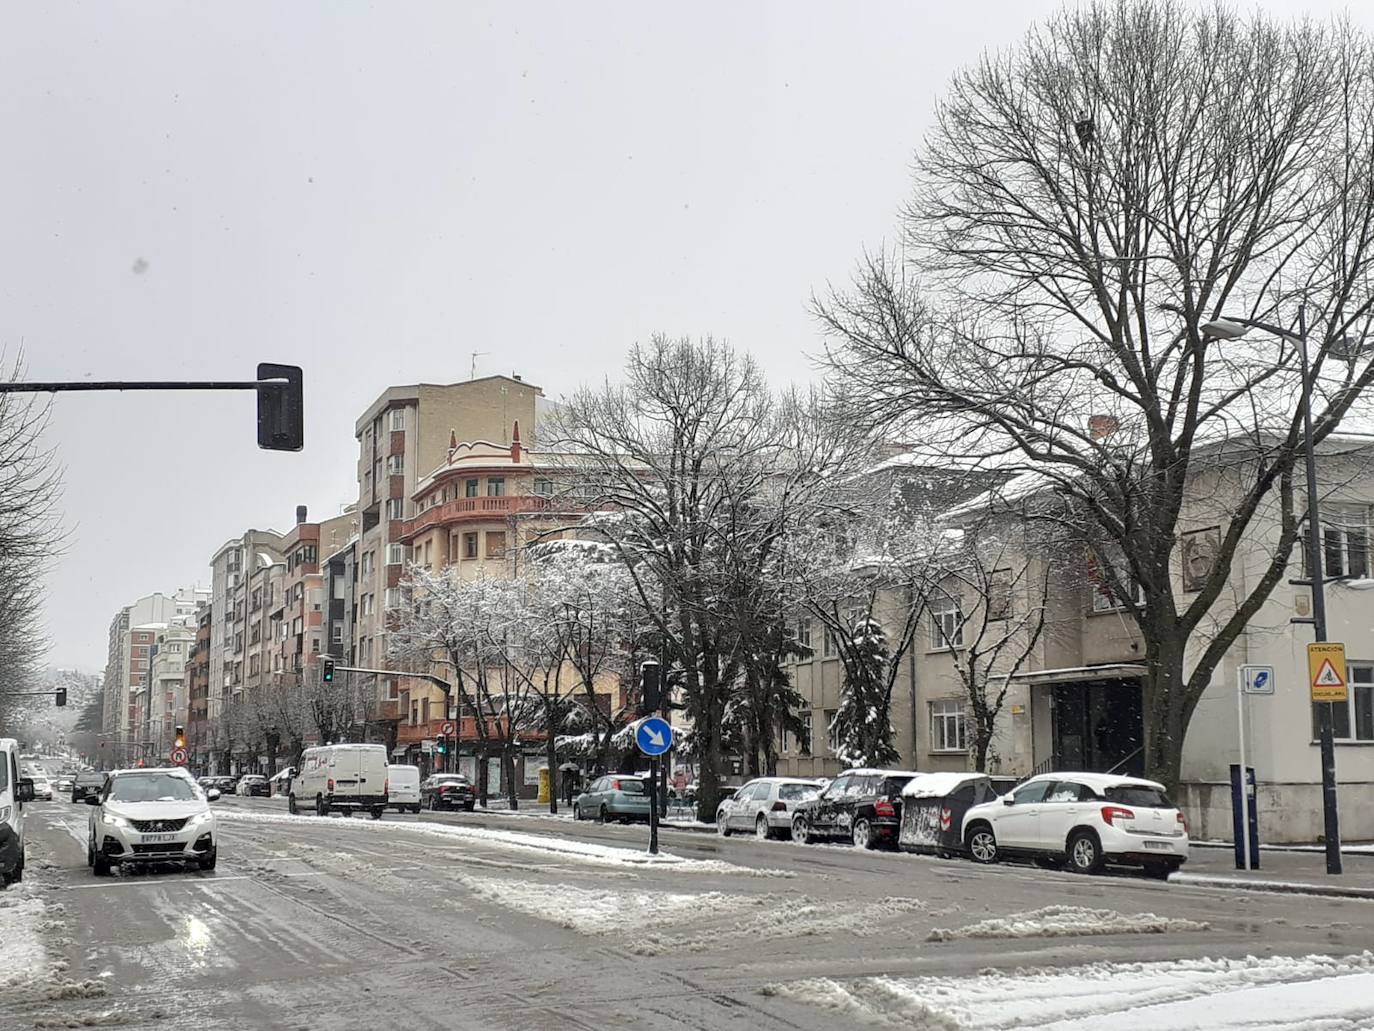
x=764, y=806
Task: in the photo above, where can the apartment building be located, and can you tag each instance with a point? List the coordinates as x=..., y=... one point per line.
x=132, y=636
x=166, y=697
x=197, y=715
x=299, y=626
x=402, y=436
x=237, y=562
x=1077, y=701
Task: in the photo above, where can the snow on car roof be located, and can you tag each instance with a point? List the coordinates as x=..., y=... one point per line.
x=932, y=785
x=866, y=771
x=1099, y=780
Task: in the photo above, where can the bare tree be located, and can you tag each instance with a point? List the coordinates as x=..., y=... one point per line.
x=29, y=538
x=991, y=584
x=1086, y=203
x=680, y=454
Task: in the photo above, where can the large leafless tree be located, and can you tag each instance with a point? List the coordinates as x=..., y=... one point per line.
x=1084, y=204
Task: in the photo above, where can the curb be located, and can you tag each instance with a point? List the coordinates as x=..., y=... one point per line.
x=1312, y=850
x=1271, y=887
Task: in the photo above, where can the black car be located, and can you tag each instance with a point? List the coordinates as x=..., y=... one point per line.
x=87, y=784
x=860, y=806
x=448, y=791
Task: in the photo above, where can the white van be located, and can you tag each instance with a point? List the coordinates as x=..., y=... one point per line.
x=403, y=788
x=343, y=777
x=14, y=793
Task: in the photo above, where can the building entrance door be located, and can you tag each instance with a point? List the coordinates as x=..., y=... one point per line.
x=1099, y=725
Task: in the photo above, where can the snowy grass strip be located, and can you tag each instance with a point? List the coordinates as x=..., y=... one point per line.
x=566, y=848
x=1273, y=992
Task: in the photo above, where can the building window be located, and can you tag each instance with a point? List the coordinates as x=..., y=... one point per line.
x=543, y=487
x=999, y=594
x=395, y=554
x=496, y=544
x=366, y=570
x=828, y=649
x=395, y=508
x=469, y=545
x=470, y=488
x=496, y=486
x=392, y=598
x=395, y=465
x=1353, y=719
x=428, y=552
x=336, y=633
x=804, y=738
x=398, y=418
x=367, y=604
x=804, y=636
x=830, y=715
x=298, y=625
x=1345, y=541
x=947, y=733
x=946, y=626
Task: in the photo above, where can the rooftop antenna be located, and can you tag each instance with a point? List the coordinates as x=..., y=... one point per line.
x=472, y=372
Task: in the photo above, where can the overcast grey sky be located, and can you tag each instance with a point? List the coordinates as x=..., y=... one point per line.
x=376, y=191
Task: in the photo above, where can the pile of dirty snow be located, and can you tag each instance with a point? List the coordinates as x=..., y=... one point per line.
x=1064, y=921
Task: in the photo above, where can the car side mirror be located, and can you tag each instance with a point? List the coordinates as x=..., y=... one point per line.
x=92, y=799
x=1007, y=800
x=212, y=794
x=25, y=792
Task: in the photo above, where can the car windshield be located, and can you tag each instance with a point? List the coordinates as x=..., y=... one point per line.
x=153, y=787
x=797, y=792
x=1139, y=795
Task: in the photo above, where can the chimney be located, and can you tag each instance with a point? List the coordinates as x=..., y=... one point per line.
x=515, y=442
x=452, y=443
x=1100, y=426
x=515, y=376
x=300, y=514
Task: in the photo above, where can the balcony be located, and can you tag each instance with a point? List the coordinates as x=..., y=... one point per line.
x=462, y=510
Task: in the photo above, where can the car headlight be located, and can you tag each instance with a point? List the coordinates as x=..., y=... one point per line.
x=115, y=821
x=199, y=818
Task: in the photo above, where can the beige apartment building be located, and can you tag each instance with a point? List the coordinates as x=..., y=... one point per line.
x=403, y=436
x=1076, y=704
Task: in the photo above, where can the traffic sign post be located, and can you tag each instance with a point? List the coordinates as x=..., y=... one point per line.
x=653, y=736
x=1249, y=680
x=1326, y=671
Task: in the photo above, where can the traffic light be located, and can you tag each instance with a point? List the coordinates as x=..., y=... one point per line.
x=180, y=739
x=440, y=747
x=281, y=409
x=327, y=670
x=651, y=692
x=60, y=696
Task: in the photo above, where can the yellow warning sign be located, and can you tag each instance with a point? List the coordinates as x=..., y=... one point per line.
x=1326, y=669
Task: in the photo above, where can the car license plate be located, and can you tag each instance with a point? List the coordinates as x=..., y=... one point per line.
x=158, y=839
x=1157, y=844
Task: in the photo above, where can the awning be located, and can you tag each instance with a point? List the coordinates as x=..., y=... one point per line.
x=1078, y=674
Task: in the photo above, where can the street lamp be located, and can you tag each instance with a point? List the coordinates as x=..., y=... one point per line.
x=1231, y=328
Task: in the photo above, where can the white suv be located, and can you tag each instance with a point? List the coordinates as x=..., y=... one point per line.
x=151, y=816
x=1083, y=819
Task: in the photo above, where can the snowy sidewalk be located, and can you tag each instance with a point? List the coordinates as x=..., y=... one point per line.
x=1294, y=872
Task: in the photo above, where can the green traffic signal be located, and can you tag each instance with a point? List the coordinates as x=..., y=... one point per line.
x=327, y=670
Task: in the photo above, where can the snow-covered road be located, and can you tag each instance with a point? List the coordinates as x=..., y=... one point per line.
x=456, y=922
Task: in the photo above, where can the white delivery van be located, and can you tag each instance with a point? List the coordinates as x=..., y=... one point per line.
x=403, y=788
x=14, y=793
x=342, y=777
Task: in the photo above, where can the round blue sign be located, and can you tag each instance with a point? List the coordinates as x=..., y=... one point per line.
x=654, y=736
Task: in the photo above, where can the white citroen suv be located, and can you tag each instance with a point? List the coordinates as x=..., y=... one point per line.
x=1083, y=819
x=151, y=816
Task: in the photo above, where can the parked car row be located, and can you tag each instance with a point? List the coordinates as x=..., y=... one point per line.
x=1081, y=821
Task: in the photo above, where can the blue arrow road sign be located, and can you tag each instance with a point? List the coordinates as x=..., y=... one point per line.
x=654, y=736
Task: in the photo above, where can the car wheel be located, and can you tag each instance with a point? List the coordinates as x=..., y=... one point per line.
x=801, y=832
x=208, y=863
x=291, y=804
x=862, y=834
x=982, y=844
x=761, y=829
x=377, y=812
x=90, y=851
x=321, y=807
x=577, y=812
x=470, y=807
x=722, y=825
x=415, y=809
x=100, y=865
x=1085, y=852
x=17, y=874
